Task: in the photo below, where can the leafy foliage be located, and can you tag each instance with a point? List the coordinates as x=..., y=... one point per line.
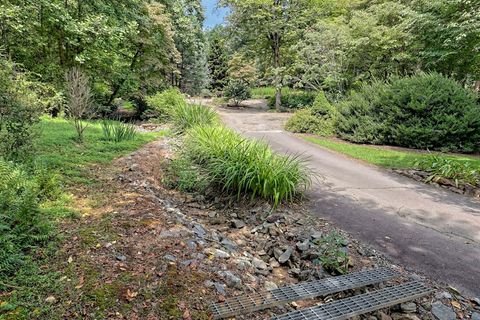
x=23, y=225
x=319, y=119
x=162, y=104
x=242, y=166
x=19, y=112
x=295, y=100
x=422, y=111
x=458, y=171
x=237, y=91
x=333, y=256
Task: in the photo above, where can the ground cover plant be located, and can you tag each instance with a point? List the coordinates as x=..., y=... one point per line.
x=448, y=168
x=243, y=166
x=269, y=92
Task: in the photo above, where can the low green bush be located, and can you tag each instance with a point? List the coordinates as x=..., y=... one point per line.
x=242, y=166
x=425, y=111
x=319, y=119
x=458, y=171
x=295, y=99
x=23, y=225
x=117, y=131
x=237, y=91
x=163, y=104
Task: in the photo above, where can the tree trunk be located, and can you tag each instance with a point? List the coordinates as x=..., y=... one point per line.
x=278, y=81
x=477, y=86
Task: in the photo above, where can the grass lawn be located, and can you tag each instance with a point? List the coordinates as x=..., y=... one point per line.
x=267, y=92
x=23, y=295
x=58, y=150
x=382, y=156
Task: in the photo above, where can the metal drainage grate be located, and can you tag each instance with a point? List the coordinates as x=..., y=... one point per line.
x=305, y=290
x=357, y=305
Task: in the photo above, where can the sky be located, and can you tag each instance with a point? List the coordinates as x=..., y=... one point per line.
x=214, y=15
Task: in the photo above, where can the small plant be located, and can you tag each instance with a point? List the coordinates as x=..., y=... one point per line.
x=80, y=101
x=117, y=131
x=446, y=168
x=183, y=175
x=243, y=166
x=333, y=257
x=237, y=91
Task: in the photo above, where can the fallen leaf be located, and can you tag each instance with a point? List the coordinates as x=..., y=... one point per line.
x=456, y=305
x=70, y=259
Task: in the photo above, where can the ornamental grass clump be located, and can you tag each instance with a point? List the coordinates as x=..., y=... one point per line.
x=242, y=166
x=186, y=116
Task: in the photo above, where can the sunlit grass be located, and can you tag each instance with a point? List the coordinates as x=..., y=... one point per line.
x=388, y=158
x=58, y=150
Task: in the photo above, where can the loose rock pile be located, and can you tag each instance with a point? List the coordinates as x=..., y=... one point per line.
x=249, y=249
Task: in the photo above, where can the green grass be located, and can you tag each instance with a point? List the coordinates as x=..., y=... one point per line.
x=34, y=254
x=388, y=158
x=268, y=92
x=58, y=150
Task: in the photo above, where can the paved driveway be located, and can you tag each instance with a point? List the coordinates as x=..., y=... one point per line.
x=427, y=229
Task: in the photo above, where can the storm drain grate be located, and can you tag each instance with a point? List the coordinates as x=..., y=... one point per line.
x=357, y=305
x=305, y=290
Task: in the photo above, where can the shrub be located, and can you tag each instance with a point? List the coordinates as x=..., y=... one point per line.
x=295, y=99
x=117, y=131
x=163, y=104
x=319, y=119
x=237, y=91
x=242, y=166
x=421, y=111
x=19, y=112
x=458, y=171
x=22, y=224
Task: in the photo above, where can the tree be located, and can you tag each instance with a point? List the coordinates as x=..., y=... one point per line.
x=448, y=34
x=238, y=91
x=361, y=44
x=267, y=28
x=187, y=18
x=218, y=57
